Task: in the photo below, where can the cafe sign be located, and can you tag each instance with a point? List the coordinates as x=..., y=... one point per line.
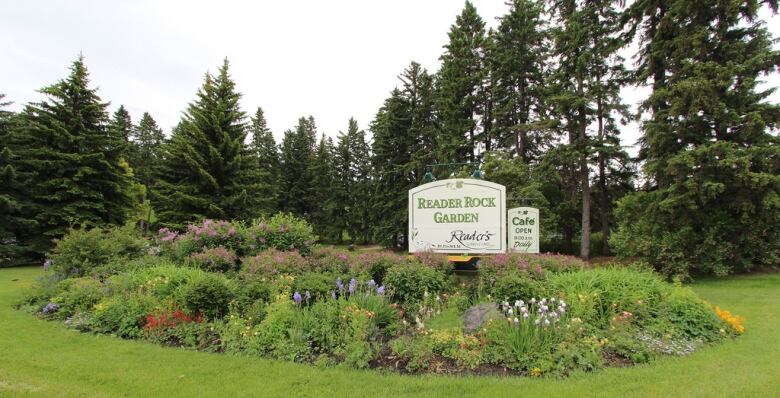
x=458, y=216
x=523, y=230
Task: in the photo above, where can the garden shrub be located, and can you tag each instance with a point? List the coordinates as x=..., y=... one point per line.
x=209, y=295
x=318, y=285
x=77, y=294
x=408, y=283
x=282, y=232
x=416, y=352
x=272, y=262
x=82, y=250
x=466, y=350
x=376, y=264
x=123, y=315
x=515, y=285
x=691, y=316
x=217, y=259
x=162, y=281
x=597, y=295
x=209, y=234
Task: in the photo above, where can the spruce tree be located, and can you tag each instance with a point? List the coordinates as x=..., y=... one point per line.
x=459, y=87
x=711, y=159
x=206, y=170
x=404, y=133
x=518, y=59
x=324, y=206
x=296, y=180
x=121, y=126
x=352, y=186
x=146, y=156
x=587, y=82
x=16, y=224
x=266, y=155
x=71, y=160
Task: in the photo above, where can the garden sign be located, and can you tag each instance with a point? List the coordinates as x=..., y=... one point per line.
x=523, y=230
x=458, y=216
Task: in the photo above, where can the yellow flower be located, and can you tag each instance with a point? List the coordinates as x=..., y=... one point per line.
x=536, y=372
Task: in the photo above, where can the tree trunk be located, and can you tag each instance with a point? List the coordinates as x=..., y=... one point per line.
x=584, y=177
x=604, y=205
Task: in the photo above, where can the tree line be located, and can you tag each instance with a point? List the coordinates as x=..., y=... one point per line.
x=536, y=101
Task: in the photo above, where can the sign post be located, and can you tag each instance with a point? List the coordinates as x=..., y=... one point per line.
x=523, y=230
x=460, y=215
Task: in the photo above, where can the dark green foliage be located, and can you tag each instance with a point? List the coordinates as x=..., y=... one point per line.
x=404, y=143
x=351, y=192
x=296, y=180
x=146, y=156
x=409, y=283
x=69, y=161
x=711, y=204
x=518, y=61
x=121, y=126
x=515, y=286
x=209, y=295
x=84, y=251
x=207, y=170
x=319, y=285
x=266, y=154
x=15, y=222
x=324, y=213
x=459, y=91
x=690, y=316
x=123, y=315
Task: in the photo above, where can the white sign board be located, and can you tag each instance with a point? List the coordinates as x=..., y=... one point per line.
x=459, y=215
x=523, y=229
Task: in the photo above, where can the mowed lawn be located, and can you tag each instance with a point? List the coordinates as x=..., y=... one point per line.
x=42, y=358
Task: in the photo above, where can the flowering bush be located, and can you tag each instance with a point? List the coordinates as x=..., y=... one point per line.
x=217, y=259
x=282, y=232
x=272, y=262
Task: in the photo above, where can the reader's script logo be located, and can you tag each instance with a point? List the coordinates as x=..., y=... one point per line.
x=470, y=240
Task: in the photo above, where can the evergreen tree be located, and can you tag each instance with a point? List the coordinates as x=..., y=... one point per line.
x=404, y=133
x=324, y=205
x=295, y=178
x=266, y=155
x=518, y=61
x=712, y=163
x=352, y=186
x=587, y=82
x=459, y=87
x=71, y=160
x=146, y=157
x=122, y=127
x=206, y=170
x=15, y=224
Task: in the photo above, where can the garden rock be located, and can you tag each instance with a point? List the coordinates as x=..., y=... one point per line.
x=477, y=315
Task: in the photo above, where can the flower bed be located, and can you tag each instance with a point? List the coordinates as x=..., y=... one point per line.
x=213, y=288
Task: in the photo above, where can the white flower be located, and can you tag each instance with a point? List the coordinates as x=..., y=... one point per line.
x=510, y=312
x=536, y=322
x=533, y=300
x=546, y=322
x=516, y=320
x=525, y=315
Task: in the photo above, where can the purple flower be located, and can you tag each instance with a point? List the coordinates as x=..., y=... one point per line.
x=371, y=284
x=333, y=294
x=50, y=308
x=352, y=285
x=339, y=284
x=297, y=298
x=47, y=264
x=381, y=290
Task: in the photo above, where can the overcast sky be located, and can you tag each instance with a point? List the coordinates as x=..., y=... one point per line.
x=329, y=59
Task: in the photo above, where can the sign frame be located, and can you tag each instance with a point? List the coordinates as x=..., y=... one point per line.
x=512, y=233
x=463, y=184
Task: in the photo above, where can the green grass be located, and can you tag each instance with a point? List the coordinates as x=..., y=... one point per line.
x=42, y=358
